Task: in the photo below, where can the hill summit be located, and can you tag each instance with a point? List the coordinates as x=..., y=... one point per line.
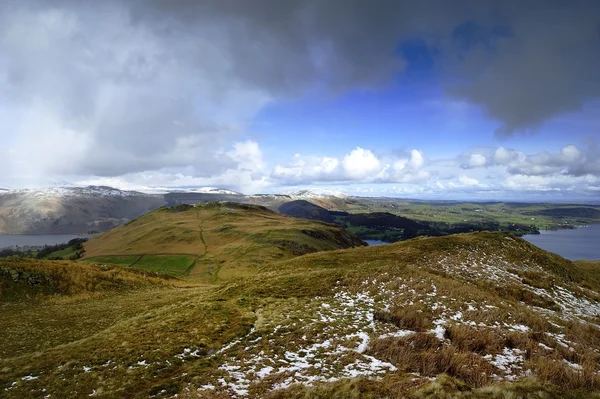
x=215, y=240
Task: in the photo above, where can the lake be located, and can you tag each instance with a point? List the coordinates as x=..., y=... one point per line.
x=37, y=240
x=376, y=242
x=581, y=243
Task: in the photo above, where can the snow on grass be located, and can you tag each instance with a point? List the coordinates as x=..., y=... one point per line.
x=510, y=362
x=560, y=340
x=573, y=365
x=439, y=331
x=397, y=334
x=519, y=327
x=545, y=347
x=187, y=352
x=328, y=344
x=476, y=265
x=326, y=339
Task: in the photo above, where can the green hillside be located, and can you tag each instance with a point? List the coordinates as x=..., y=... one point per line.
x=481, y=315
x=213, y=241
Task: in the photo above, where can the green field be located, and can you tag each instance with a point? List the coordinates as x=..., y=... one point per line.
x=63, y=253
x=541, y=215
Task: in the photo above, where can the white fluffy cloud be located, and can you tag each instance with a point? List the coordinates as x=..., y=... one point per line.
x=416, y=159
x=477, y=160
x=570, y=161
x=360, y=164
x=247, y=155
x=247, y=173
x=468, y=181
x=362, y=172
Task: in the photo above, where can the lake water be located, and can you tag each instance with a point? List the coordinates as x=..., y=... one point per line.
x=38, y=240
x=376, y=242
x=581, y=243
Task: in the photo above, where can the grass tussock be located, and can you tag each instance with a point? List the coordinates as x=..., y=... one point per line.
x=425, y=354
x=447, y=387
x=478, y=340
x=554, y=370
x=390, y=386
x=526, y=296
x=408, y=318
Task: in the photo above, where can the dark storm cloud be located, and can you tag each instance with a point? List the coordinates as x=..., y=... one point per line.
x=523, y=62
x=543, y=59
x=142, y=85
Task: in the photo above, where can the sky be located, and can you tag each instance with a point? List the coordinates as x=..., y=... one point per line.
x=482, y=100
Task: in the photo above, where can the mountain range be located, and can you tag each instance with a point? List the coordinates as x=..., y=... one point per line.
x=92, y=209
x=81, y=210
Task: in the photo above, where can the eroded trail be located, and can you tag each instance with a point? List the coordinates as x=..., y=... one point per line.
x=212, y=271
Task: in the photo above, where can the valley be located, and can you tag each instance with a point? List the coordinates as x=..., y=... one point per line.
x=94, y=209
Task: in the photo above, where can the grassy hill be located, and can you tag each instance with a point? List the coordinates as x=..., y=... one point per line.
x=213, y=241
x=482, y=315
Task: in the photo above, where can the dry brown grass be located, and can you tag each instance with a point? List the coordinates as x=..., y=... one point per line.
x=408, y=318
x=553, y=369
x=424, y=354
x=160, y=321
x=471, y=339
x=33, y=277
x=524, y=295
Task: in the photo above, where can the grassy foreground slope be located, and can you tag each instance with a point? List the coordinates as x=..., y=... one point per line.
x=487, y=315
x=214, y=241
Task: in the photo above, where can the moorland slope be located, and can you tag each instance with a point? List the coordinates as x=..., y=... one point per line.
x=481, y=315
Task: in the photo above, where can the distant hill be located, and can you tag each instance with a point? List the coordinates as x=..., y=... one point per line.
x=383, y=219
x=214, y=240
x=305, y=210
x=96, y=208
x=71, y=209
x=565, y=212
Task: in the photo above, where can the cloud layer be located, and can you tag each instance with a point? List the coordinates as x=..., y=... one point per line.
x=101, y=90
x=506, y=174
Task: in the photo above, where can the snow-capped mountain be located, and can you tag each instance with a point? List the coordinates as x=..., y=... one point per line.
x=71, y=209
x=196, y=190
x=212, y=190
x=61, y=192
x=65, y=210
x=317, y=193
